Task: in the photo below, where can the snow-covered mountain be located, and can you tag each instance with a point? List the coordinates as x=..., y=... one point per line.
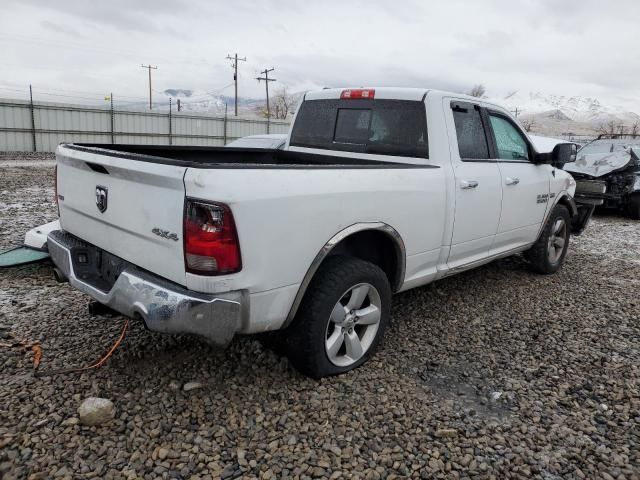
x=559, y=114
x=579, y=109
x=205, y=102
x=214, y=104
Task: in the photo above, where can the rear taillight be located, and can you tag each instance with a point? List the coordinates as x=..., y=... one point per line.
x=210, y=239
x=355, y=93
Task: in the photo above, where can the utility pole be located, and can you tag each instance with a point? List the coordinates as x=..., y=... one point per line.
x=33, y=119
x=149, y=67
x=170, y=138
x=234, y=65
x=266, y=79
x=225, y=123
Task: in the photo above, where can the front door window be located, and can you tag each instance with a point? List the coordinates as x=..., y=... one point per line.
x=510, y=143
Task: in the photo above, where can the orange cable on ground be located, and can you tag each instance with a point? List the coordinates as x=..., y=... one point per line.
x=98, y=364
x=37, y=354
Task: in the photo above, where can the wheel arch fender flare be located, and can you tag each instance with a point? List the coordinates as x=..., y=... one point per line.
x=567, y=200
x=563, y=198
x=336, y=240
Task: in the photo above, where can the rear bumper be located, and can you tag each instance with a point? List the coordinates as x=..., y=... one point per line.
x=163, y=305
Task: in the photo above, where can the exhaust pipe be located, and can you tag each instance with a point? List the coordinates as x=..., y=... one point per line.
x=59, y=276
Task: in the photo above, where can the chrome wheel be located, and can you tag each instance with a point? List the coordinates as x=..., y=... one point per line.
x=353, y=325
x=557, y=240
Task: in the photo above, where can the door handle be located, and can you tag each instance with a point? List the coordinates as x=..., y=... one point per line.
x=512, y=180
x=467, y=184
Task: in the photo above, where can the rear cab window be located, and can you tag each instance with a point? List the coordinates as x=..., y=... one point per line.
x=470, y=132
x=386, y=127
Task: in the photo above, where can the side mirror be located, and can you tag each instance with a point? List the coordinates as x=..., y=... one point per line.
x=564, y=153
x=561, y=154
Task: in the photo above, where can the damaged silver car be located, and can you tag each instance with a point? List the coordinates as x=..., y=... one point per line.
x=607, y=173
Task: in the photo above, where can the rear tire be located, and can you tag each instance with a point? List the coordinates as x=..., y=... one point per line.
x=633, y=207
x=342, y=318
x=547, y=254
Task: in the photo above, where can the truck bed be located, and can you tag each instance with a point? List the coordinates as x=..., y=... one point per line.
x=229, y=157
x=144, y=190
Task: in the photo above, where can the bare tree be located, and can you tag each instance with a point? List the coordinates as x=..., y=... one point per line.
x=634, y=129
x=478, y=91
x=609, y=128
x=283, y=103
x=528, y=124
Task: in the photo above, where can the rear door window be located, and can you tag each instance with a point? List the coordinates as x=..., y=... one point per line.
x=399, y=129
x=387, y=127
x=472, y=139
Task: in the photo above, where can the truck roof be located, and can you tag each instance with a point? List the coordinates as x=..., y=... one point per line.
x=395, y=93
x=387, y=93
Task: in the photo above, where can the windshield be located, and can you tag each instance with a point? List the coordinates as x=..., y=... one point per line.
x=609, y=146
x=388, y=127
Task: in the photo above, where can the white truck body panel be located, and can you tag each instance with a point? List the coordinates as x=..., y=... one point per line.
x=285, y=216
x=141, y=196
x=289, y=212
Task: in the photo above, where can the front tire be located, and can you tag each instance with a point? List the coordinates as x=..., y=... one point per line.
x=341, y=319
x=547, y=254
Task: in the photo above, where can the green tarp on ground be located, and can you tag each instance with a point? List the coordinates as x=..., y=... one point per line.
x=21, y=256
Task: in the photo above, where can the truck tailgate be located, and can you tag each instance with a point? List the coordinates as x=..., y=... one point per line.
x=130, y=208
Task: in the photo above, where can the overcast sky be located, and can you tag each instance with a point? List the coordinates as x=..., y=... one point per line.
x=84, y=47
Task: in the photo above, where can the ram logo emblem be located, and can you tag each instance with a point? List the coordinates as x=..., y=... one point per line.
x=101, y=198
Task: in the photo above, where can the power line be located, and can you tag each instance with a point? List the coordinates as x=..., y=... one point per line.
x=266, y=79
x=149, y=67
x=234, y=65
x=53, y=94
x=47, y=91
x=90, y=92
x=66, y=45
x=99, y=96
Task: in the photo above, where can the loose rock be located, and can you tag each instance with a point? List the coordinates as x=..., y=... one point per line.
x=96, y=411
x=446, y=433
x=192, y=386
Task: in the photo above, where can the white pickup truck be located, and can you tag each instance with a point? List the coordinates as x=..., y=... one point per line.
x=376, y=191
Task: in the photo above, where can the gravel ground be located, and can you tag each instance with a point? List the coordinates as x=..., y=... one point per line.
x=494, y=373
